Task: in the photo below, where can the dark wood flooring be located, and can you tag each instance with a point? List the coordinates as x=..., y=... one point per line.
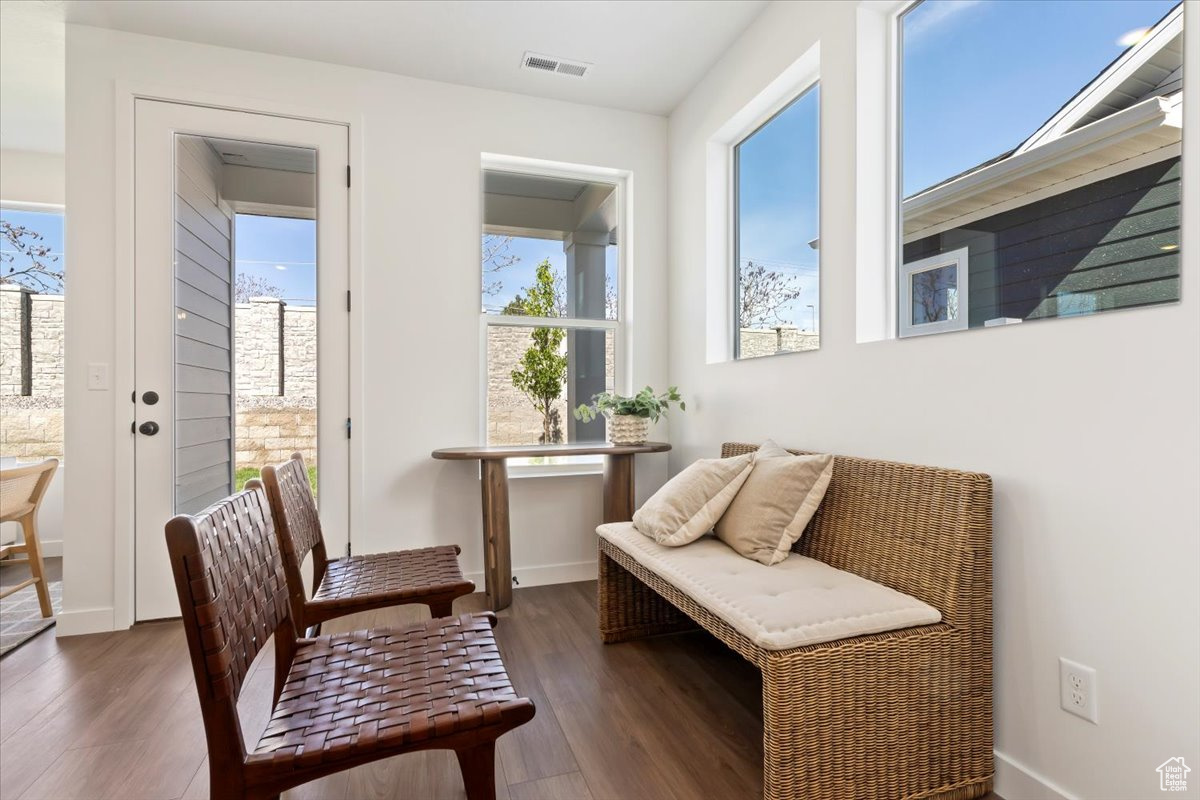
x=12, y=574
x=115, y=715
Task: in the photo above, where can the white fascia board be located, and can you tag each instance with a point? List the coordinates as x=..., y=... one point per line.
x=1147, y=115
x=1103, y=85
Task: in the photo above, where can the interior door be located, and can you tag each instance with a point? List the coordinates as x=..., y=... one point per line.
x=195, y=167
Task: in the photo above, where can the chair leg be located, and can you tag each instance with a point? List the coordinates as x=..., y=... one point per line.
x=478, y=765
x=34, y=549
x=444, y=608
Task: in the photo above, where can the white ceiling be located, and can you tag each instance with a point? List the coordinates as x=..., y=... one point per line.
x=263, y=156
x=541, y=187
x=647, y=54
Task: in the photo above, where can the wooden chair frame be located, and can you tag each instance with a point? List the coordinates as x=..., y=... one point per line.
x=25, y=512
x=233, y=598
x=299, y=529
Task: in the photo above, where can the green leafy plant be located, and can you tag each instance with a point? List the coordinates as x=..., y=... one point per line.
x=543, y=368
x=643, y=404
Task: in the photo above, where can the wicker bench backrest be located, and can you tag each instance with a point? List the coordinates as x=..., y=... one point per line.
x=924, y=531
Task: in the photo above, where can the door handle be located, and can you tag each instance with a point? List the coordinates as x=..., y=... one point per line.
x=148, y=428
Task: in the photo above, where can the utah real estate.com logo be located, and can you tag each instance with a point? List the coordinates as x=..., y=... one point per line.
x=1172, y=775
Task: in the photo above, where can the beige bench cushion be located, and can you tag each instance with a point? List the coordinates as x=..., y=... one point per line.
x=796, y=602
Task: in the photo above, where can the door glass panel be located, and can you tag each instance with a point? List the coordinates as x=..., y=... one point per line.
x=245, y=321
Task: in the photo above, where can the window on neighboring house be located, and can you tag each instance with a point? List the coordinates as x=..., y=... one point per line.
x=1041, y=186
x=777, y=275
x=549, y=285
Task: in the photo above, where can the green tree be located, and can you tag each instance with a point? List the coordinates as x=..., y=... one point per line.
x=543, y=367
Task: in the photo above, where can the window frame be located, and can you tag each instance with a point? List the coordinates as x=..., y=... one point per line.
x=954, y=258
x=621, y=180
x=735, y=204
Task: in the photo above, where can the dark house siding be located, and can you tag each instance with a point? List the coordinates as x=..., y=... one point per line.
x=1096, y=247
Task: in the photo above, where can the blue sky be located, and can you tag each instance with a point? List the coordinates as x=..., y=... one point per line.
x=281, y=251
x=778, y=208
x=48, y=224
x=960, y=110
x=530, y=253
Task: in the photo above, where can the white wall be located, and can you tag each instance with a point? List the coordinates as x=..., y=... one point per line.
x=416, y=185
x=27, y=177
x=1088, y=426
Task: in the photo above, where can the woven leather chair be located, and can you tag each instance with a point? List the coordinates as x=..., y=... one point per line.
x=341, y=700
x=430, y=575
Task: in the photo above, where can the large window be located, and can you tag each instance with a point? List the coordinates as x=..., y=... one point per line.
x=1040, y=160
x=549, y=265
x=32, y=269
x=777, y=275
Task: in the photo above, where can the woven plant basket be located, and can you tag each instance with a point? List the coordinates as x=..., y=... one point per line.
x=628, y=429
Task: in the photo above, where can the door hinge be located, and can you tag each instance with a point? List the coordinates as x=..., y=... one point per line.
x=347, y=549
x=347, y=176
x=348, y=427
x=347, y=300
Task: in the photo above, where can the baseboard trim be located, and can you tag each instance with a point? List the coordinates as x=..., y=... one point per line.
x=87, y=620
x=545, y=574
x=1015, y=781
x=51, y=548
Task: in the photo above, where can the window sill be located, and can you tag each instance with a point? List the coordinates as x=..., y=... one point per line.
x=562, y=466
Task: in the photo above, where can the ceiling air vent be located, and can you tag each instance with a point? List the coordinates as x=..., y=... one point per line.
x=561, y=66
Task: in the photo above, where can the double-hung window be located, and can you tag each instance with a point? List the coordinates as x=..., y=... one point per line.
x=550, y=283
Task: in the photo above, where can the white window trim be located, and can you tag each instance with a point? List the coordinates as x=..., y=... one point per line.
x=622, y=351
x=954, y=258
x=735, y=203
x=720, y=252
x=43, y=208
x=877, y=178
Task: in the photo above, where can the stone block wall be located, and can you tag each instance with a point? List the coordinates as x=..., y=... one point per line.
x=258, y=356
x=300, y=351
x=31, y=428
x=276, y=373
x=47, y=344
x=769, y=341
x=511, y=417
x=270, y=429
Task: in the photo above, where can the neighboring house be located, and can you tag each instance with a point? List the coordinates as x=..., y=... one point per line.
x=1172, y=775
x=1083, y=216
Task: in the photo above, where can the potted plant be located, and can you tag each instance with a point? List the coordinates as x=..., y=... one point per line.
x=629, y=417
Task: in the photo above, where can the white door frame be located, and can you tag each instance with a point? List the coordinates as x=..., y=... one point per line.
x=125, y=96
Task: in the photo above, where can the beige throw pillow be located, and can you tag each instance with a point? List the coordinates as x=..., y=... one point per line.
x=688, y=505
x=775, y=503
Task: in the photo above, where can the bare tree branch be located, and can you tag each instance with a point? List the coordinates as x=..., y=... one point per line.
x=494, y=257
x=762, y=294
x=27, y=260
x=247, y=286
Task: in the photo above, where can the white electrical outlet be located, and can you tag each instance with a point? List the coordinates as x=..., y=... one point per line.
x=1077, y=690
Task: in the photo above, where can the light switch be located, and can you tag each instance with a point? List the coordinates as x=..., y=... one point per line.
x=97, y=377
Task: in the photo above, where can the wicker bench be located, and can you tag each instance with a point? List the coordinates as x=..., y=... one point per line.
x=901, y=714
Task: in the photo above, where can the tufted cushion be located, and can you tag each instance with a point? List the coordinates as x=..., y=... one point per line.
x=796, y=602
